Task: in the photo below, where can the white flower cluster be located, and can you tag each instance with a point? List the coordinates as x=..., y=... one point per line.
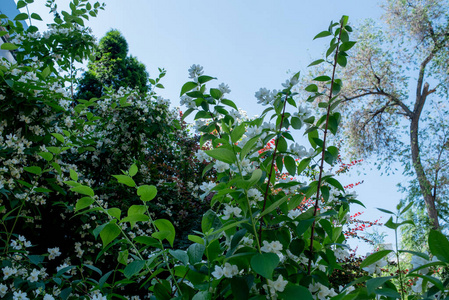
x=266, y=97
x=231, y=210
x=271, y=247
x=300, y=151
x=221, y=166
x=195, y=71
x=321, y=291
x=227, y=271
x=276, y=286
x=53, y=253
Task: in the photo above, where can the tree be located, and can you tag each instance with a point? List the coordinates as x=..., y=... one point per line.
x=111, y=67
x=397, y=82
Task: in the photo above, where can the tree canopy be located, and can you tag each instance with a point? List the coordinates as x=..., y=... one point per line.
x=396, y=87
x=111, y=67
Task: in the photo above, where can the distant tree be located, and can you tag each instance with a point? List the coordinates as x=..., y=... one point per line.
x=110, y=67
x=395, y=95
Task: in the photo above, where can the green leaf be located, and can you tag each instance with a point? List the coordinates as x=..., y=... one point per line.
x=115, y=212
x=73, y=175
x=195, y=253
x=282, y=144
x=210, y=221
x=229, y=103
x=59, y=137
x=275, y=205
x=195, y=239
x=264, y=264
x=36, y=17
x=34, y=170
x=222, y=154
x=290, y=165
x=109, y=233
x=386, y=211
x=166, y=226
x=21, y=17
x=376, y=256
x=216, y=93
x=374, y=283
x=334, y=182
x=303, y=225
x=294, y=292
x=439, y=245
x=248, y=146
x=125, y=179
x=180, y=255
x=238, y=132
x=147, y=192
x=21, y=4
x=316, y=62
x=45, y=74
x=134, y=218
x=346, y=46
x=296, y=123
x=83, y=203
x=312, y=88
x=147, y=240
x=133, y=268
x=82, y=189
x=432, y=279
x=188, y=86
x=341, y=60
x=322, y=78
x=302, y=165
x=202, y=295
x=132, y=170
x=204, y=78
x=322, y=34
x=123, y=257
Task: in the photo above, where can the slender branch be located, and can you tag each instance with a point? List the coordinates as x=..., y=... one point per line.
x=309, y=268
x=271, y=168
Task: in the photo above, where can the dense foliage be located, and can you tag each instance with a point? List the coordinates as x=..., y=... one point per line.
x=97, y=193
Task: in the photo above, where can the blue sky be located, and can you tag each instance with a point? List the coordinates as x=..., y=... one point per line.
x=245, y=44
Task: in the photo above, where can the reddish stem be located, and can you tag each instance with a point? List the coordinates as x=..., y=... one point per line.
x=271, y=168
x=309, y=268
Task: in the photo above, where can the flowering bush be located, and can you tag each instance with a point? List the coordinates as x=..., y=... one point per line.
x=85, y=171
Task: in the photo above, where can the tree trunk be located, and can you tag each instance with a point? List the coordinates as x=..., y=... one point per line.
x=424, y=183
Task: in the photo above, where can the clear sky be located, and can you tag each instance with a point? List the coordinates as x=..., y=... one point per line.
x=246, y=44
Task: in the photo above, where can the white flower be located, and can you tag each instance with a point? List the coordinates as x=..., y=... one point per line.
x=272, y=247
x=34, y=276
x=54, y=252
x=221, y=166
x=207, y=187
x=3, y=290
x=99, y=297
x=202, y=156
x=8, y=271
x=19, y=295
x=227, y=271
x=341, y=254
x=224, y=88
x=68, y=122
x=230, y=270
x=195, y=71
x=278, y=285
x=290, y=82
x=49, y=297
x=265, y=97
x=256, y=194
x=230, y=210
x=218, y=273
